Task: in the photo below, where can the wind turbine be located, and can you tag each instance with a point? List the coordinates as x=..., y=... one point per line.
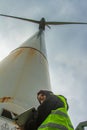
x=25, y=71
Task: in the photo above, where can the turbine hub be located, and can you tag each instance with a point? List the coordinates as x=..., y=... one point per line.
x=42, y=24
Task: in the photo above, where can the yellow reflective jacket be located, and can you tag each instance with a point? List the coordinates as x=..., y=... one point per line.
x=58, y=119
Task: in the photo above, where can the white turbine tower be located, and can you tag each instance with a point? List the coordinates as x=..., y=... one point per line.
x=23, y=73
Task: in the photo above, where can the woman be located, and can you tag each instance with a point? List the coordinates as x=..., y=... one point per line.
x=52, y=112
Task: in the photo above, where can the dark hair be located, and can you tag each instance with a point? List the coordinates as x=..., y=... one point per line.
x=45, y=92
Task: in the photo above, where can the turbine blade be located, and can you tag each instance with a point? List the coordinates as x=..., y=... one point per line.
x=48, y=26
x=63, y=23
x=28, y=20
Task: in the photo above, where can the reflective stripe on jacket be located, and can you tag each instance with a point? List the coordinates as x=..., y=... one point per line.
x=57, y=120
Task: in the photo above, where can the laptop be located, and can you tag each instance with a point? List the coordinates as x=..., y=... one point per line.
x=22, y=118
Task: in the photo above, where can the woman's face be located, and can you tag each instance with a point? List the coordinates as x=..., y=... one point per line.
x=41, y=98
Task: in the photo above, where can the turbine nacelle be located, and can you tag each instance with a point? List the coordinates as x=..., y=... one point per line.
x=42, y=24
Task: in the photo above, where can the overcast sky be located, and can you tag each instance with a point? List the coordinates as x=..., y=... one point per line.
x=66, y=45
